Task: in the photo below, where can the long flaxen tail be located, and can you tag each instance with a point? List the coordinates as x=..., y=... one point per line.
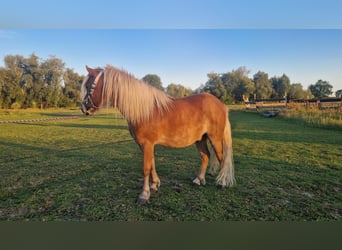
x=225, y=177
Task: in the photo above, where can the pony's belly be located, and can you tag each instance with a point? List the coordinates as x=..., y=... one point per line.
x=175, y=133
x=179, y=140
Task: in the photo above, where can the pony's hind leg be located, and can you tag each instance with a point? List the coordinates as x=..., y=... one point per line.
x=202, y=148
x=224, y=152
x=217, y=159
x=218, y=148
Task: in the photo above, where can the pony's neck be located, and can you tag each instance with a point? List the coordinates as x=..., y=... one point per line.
x=136, y=100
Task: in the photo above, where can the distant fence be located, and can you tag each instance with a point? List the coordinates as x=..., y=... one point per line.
x=266, y=104
x=276, y=105
x=322, y=103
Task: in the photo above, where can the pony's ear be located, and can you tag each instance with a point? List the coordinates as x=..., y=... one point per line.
x=93, y=72
x=90, y=70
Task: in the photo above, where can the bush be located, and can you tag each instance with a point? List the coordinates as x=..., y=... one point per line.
x=33, y=104
x=15, y=105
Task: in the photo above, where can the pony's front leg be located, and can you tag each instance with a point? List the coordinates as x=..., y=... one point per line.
x=155, y=179
x=148, y=151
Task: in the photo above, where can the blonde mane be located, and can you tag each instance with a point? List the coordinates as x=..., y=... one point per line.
x=135, y=99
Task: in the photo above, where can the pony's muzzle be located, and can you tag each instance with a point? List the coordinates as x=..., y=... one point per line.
x=84, y=109
x=87, y=110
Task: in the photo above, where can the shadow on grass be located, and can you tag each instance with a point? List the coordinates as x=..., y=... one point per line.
x=90, y=190
x=81, y=151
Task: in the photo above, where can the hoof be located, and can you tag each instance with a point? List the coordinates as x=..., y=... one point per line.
x=199, y=182
x=141, y=201
x=220, y=186
x=154, y=188
x=196, y=181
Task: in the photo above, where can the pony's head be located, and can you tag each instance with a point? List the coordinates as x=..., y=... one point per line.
x=91, y=91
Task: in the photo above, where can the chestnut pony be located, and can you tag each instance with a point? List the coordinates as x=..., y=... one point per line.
x=155, y=118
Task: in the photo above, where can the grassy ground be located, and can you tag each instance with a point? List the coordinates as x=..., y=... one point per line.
x=89, y=169
x=331, y=119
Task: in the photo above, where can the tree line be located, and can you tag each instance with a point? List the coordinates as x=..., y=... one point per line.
x=232, y=87
x=30, y=82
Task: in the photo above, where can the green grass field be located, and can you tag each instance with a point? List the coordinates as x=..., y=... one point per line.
x=89, y=169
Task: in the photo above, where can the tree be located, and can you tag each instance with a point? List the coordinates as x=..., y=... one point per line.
x=321, y=89
x=215, y=87
x=27, y=82
x=281, y=86
x=178, y=90
x=72, y=87
x=263, y=86
x=296, y=91
x=153, y=80
x=338, y=93
x=52, y=70
x=11, y=88
x=237, y=84
x=32, y=80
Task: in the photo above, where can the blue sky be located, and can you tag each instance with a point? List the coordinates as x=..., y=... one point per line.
x=163, y=14
x=182, y=41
